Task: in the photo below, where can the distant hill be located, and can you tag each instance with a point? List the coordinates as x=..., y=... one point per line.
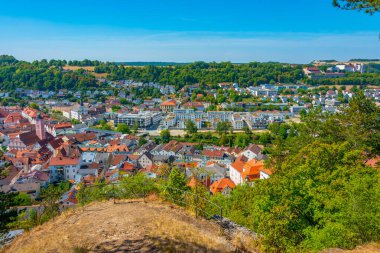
x=364, y=60
x=142, y=63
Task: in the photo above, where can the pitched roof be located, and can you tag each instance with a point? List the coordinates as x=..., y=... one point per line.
x=173, y=146
x=254, y=148
x=15, y=117
x=128, y=167
x=63, y=161
x=169, y=103
x=81, y=137
x=118, y=159
x=239, y=163
x=221, y=184
x=33, y=113
x=29, y=138
x=251, y=170
x=63, y=125
x=266, y=171
x=213, y=153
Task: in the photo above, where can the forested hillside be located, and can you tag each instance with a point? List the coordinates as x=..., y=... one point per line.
x=50, y=75
x=322, y=194
x=201, y=72
x=42, y=75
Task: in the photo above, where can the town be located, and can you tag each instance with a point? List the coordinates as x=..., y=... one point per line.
x=109, y=133
x=189, y=126
x=61, y=146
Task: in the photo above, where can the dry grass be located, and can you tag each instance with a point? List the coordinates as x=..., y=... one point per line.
x=88, y=68
x=367, y=248
x=125, y=226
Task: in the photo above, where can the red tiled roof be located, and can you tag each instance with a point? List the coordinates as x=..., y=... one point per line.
x=214, y=153
x=128, y=167
x=266, y=171
x=374, y=162
x=169, y=103
x=221, y=184
x=33, y=112
x=63, y=125
x=251, y=170
x=118, y=159
x=14, y=118
x=239, y=163
x=63, y=161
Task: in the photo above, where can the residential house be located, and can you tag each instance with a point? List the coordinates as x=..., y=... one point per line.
x=223, y=186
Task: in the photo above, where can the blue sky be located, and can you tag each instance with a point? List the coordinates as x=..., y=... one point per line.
x=296, y=31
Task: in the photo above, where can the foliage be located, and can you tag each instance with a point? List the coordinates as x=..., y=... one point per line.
x=49, y=207
x=223, y=127
x=348, y=79
x=201, y=72
x=242, y=140
x=190, y=127
x=136, y=186
x=123, y=128
x=142, y=140
x=322, y=195
x=135, y=127
x=43, y=76
x=75, y=121
x=34, y=106
x=7, y=213
x=23, y=199
x=7, y=59
x=50, y=75
x=368, y=6
x=175, y=186
x=373, y=68
x=104, y=125
x=199, y=201
x=165, y=136
x=115, y=108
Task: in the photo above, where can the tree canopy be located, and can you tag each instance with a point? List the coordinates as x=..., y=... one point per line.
x=322, y=194
x=368, y=6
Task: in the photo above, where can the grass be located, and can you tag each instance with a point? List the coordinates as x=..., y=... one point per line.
x=87, y=68
x=80, y=249
x=127, y=225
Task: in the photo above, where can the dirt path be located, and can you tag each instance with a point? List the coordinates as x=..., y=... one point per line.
x=124, y=227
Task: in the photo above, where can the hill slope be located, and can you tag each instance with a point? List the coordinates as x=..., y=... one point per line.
x=125, y=226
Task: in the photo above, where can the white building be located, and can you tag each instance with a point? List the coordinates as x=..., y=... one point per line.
x=144, y=119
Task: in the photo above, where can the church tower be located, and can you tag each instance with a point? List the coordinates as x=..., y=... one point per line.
x=40, y=127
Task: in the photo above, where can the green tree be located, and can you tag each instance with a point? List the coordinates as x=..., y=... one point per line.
x=115, y=108
x=123, y=128
x=242, y=140
x=165, y=136
x=142, y=140
x=34, y=106
x=123, y=101
x=7, y=213
x=223, y=127
x=321, y=195
x=368, y=6
x=175, y=186
x=135, y=127
x=190, y=127
x=75, y=121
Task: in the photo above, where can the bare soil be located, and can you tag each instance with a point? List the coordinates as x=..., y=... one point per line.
x=127, y=226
